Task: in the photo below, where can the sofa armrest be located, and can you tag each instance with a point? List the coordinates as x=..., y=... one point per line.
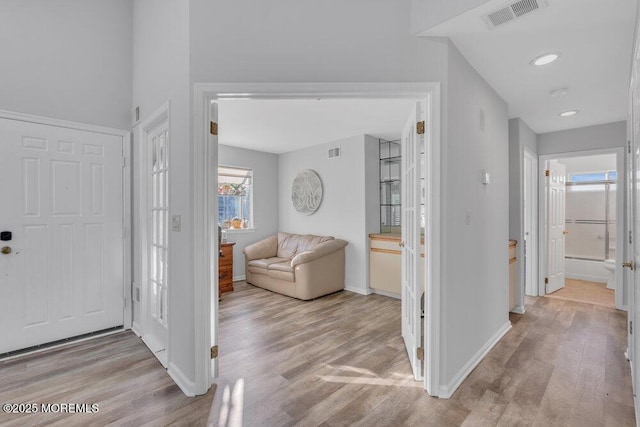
x=318, y=251
x=265, y=248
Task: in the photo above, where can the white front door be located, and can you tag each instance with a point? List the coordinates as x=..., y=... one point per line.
x=411, y=197
x=61, y=197
x=155, y=140
x=556, y=194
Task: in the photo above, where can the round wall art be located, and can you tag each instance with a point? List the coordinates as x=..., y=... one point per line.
x=306, y=192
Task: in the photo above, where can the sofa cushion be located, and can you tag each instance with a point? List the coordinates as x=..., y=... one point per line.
x=257, y=270
x=291, y=244
x=281, y=275
x=266, y=262
x=282, y=266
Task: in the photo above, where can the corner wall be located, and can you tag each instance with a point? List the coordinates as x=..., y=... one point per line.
x=475, y=222
x=343, y=210
x=265, y=198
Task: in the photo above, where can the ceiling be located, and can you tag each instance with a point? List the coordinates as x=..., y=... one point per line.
x=595, y=38
x=282, y=125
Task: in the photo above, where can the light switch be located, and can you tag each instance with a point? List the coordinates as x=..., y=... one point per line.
x=176, y=222
x=486, y=178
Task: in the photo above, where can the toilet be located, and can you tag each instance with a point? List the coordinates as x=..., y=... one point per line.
x=610, y=266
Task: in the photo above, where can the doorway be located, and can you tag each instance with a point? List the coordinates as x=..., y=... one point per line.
x=583, y=217
x=207, y=112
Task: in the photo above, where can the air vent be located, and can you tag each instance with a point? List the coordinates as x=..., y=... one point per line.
x=334, y=152
x=513, y=11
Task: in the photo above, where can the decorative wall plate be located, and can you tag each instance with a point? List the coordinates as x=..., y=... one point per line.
x=306, y=192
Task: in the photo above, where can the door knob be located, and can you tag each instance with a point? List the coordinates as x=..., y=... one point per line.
x=628, y=265
x=565, y=232
x=6, y=250
x=401, y=244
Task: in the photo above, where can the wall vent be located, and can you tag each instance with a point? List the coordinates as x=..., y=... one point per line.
x=512, y=11
x=334, y=152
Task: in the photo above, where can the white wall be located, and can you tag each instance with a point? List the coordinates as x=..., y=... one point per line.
x=581, y=139
x=343, y=211
x=599, y=163
x=161, y=74
x=265, y=198
x=67, y=59
x=475, y=267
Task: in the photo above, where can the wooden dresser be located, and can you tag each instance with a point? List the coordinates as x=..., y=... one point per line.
x=225, y=267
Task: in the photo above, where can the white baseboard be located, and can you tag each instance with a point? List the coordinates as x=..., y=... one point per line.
x=386, y=293
x=358, y=290
x=136, y=329
x=239, y=278
x=446, y=391
x=187, y=386
x=586, y=277
x=518, y=309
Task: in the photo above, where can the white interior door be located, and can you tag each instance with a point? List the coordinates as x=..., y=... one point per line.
x=529, y=194
x=556, y=195
x=411, y=197
x=631, y=214
x=156, y=284
x=633, y=255
x=61, y=193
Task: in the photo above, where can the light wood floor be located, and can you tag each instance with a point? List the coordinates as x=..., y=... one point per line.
x=587, y=292
x=340, y=361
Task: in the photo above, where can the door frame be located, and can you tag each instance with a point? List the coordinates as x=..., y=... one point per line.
x=620, y=215
x=143, y=129
x=531, y=258
x=126, y=192
x=205, y=159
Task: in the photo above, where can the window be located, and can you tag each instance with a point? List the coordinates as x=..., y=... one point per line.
x=235, y=198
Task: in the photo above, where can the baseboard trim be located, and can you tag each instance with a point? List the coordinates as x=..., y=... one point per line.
x=446, y=391
x=586, y=277
x=386, y=293
x=187, y=386
x=518, y=309
x=358, y=290
x=239, y=278
x=136, y=329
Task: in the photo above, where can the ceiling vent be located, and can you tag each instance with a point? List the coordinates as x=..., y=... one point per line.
x=334, y=152
x=512, y=11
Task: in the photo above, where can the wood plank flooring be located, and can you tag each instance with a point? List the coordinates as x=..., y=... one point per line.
x=587, y=292
x=340, y=361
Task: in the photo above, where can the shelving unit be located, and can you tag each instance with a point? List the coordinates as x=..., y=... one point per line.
x=390, y=189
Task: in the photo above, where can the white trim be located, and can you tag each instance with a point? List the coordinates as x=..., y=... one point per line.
x=239, y=278
x=385, y=293
x=187, y=386
x=205, y=163
x=620, y=211
x=586, y=277
x=30, y=118
x=518, y=309
x=447, y=391
x=357, y=290
x=529, y=288
x=231, y=231
x=127, y=223
x=136, y=329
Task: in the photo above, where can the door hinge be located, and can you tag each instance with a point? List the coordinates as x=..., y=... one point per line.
x=546, y=280
x=629, y=146
x=547, y=173
x=213, y=128
x=124, y=161
x=630, y=238
x=420, y=127
x=420, y=353
x=214, y=351
x=631, y=327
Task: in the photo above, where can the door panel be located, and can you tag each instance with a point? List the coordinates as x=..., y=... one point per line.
x=64, y=276
x=556, y=194
x=411, y=200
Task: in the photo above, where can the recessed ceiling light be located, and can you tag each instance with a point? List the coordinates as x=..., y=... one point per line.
x=569, y=113
x=545, y=59
x=559, y=93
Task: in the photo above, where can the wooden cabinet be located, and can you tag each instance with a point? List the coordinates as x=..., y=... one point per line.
x=225, y=267
x=512, y=274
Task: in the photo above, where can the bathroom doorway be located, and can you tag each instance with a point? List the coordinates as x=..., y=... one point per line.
x=582, y=225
